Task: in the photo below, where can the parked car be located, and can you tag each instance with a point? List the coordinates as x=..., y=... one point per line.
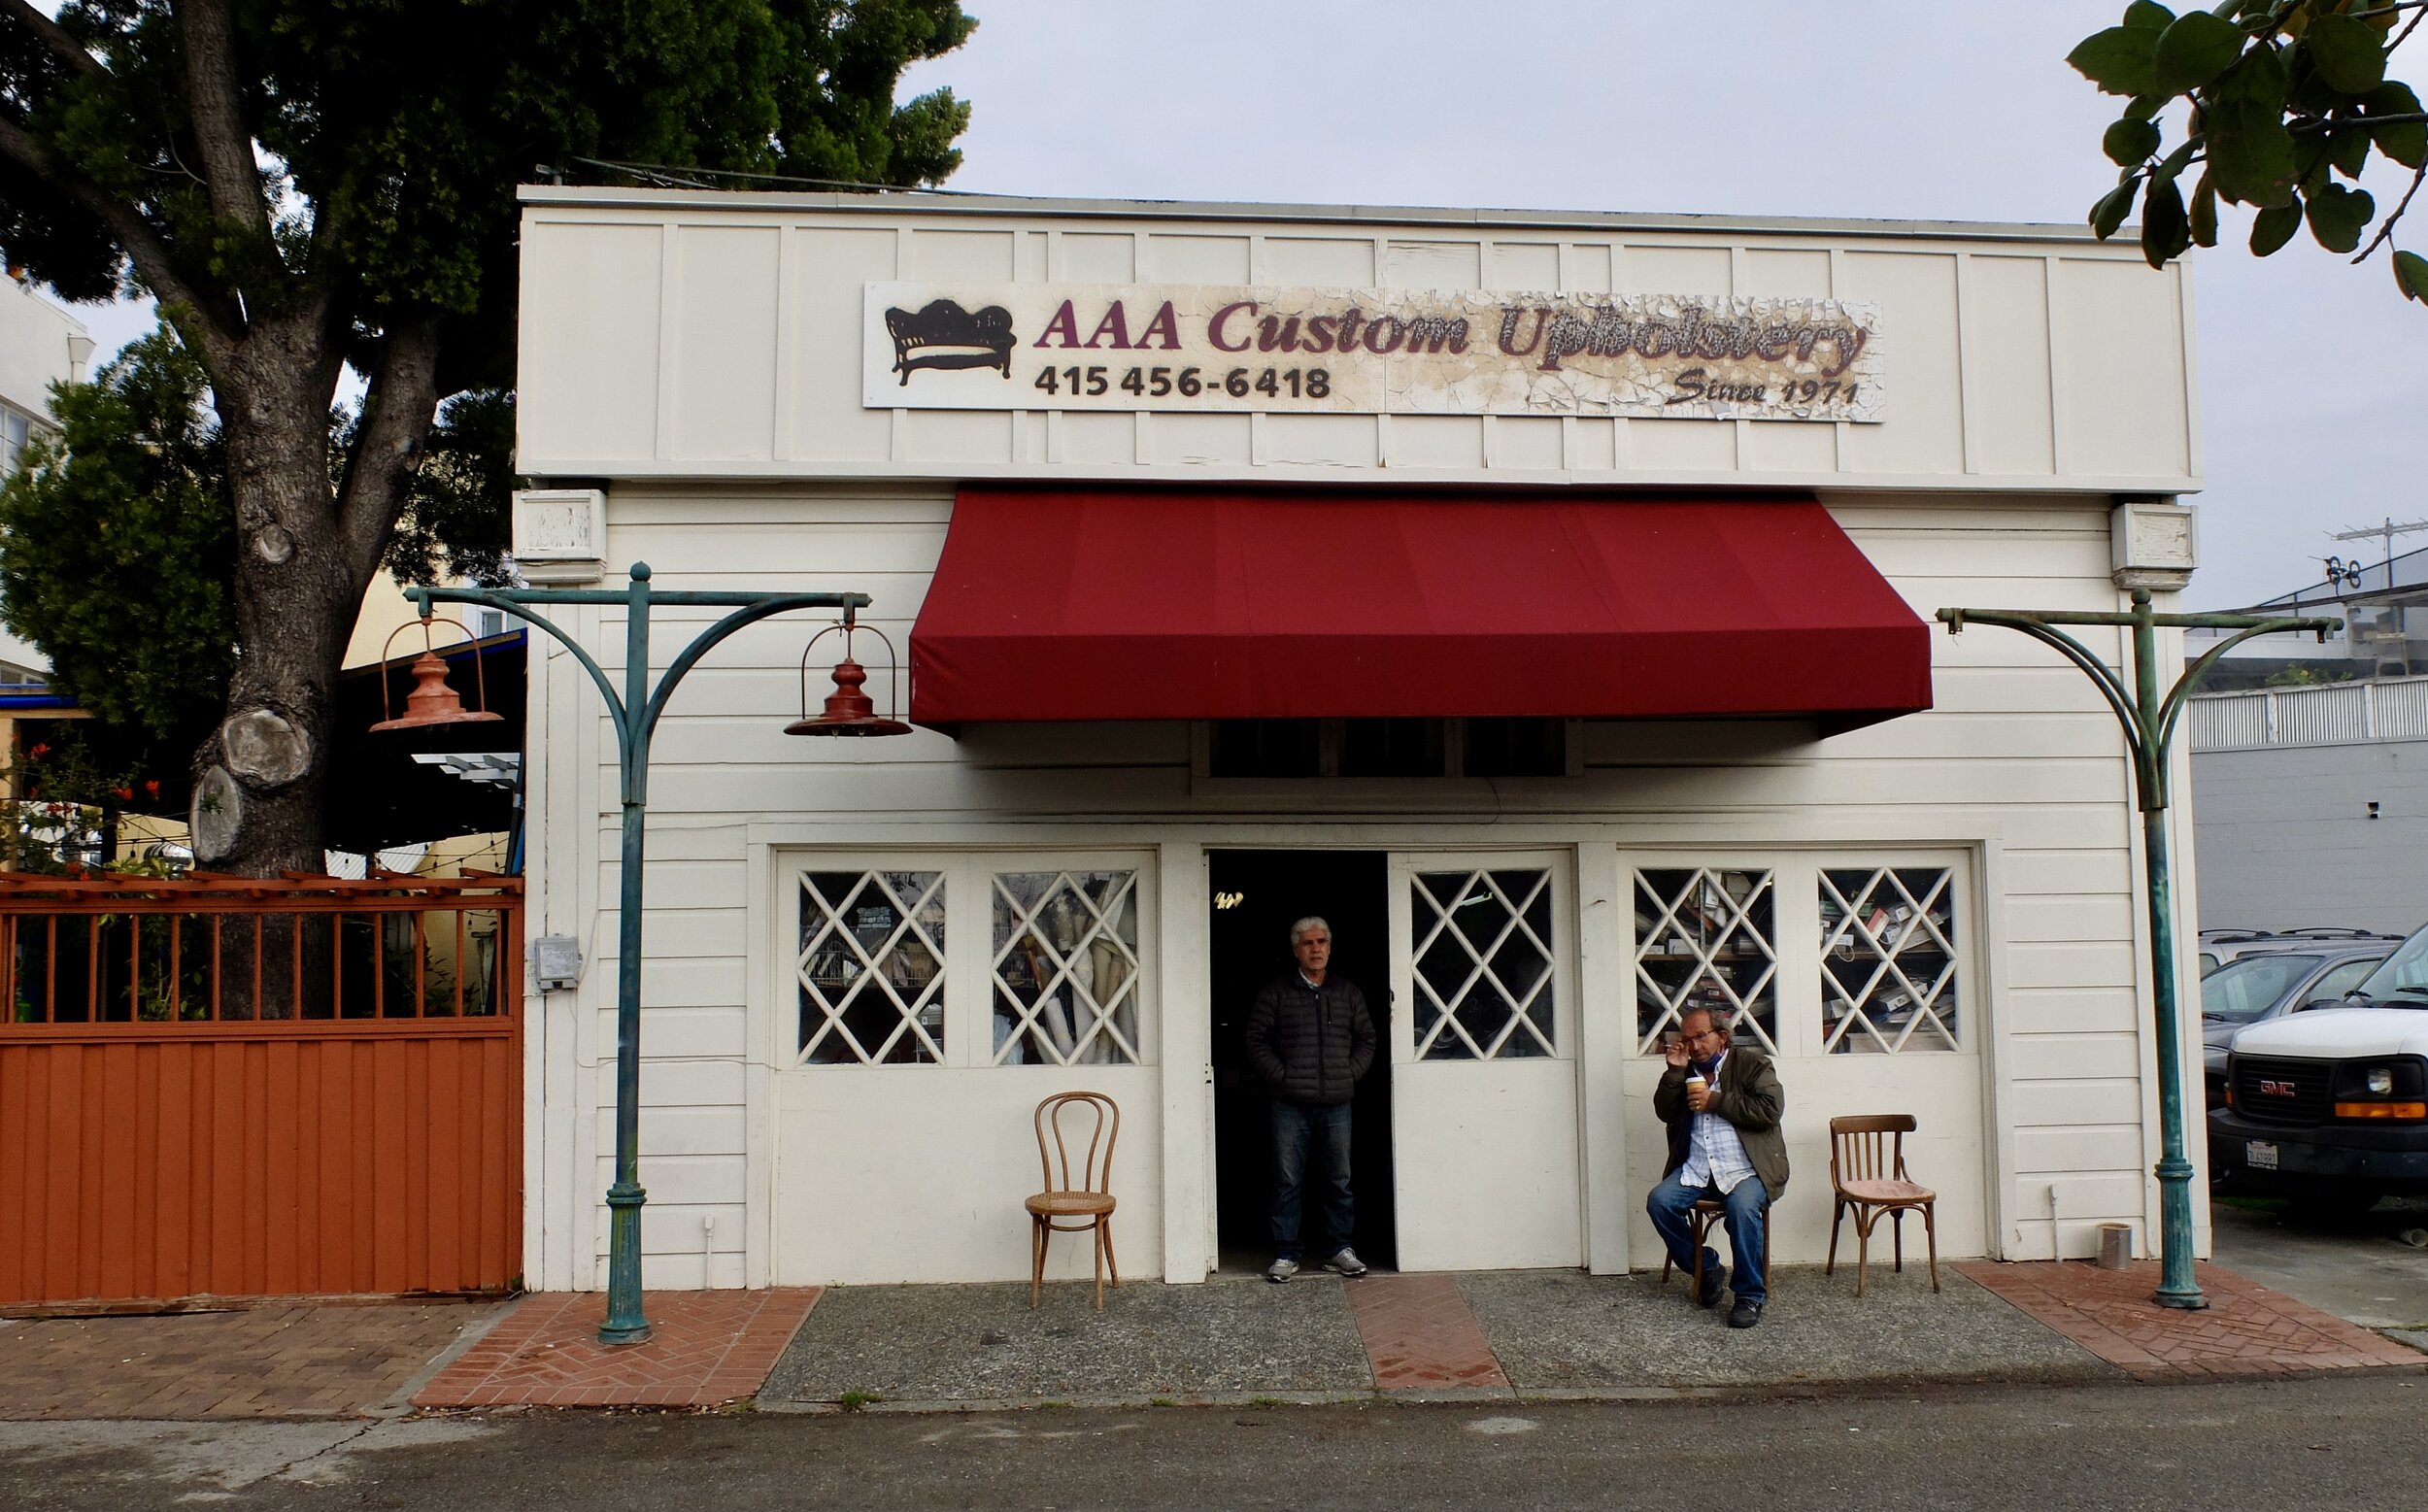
x=2329, y=1106
x=2223, y=944
x=2255, y=988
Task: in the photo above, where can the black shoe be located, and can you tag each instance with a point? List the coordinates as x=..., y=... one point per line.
x=1745, y=1314
x=1715, y=1280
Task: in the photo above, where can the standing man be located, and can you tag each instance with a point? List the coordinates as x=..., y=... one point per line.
x=1722, y=1107
x=1310, y=1039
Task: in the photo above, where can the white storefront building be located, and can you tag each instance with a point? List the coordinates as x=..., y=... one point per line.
x=1543, y=598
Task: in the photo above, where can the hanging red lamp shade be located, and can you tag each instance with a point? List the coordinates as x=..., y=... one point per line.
x=432, y=702
x=848, y=710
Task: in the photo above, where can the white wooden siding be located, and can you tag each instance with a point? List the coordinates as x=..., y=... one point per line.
x=2020, y=767
x=686, y=335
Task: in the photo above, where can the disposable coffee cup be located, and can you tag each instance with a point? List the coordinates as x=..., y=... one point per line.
x=1696, y=1083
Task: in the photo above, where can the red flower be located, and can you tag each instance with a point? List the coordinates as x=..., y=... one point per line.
x=124, y=794
x=152, y=788
x=40, y=750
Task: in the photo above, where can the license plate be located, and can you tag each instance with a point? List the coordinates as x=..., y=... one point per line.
x=2260, y=1154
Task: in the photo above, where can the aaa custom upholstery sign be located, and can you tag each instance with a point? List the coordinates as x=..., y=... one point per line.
x=1409, y=351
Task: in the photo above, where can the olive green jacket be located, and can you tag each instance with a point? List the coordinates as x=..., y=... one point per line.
x=1748, y=1096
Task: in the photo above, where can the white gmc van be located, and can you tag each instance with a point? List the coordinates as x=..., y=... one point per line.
x=2329, y=1107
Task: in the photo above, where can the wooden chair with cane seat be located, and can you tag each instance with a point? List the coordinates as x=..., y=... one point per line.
x=1705, y=1214
x=1868, y=1176
x=1074, y=1191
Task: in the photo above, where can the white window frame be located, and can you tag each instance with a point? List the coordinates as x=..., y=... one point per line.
x=968, y=951
x=1796, y=923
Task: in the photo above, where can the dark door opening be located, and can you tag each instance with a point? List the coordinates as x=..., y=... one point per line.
x=1256, y=895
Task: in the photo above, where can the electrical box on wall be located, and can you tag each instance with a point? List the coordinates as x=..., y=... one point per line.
x=556, y=963
x=2152, y=544
x=560, y=534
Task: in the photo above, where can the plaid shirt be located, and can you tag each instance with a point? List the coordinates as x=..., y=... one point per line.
x=1715, y=1157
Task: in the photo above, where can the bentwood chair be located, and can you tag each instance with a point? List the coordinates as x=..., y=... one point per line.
x=1076, y=1191
x=1705, y=1214
x=1867, y=1177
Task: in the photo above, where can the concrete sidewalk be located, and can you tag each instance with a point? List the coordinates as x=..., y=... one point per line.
x=1485, y=1336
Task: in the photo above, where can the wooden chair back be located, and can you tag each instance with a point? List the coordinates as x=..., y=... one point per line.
x=1092, y=1169
x=1869, y=1147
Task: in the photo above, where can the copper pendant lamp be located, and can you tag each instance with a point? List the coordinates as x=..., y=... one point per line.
x=848, y=710
x=432, y=702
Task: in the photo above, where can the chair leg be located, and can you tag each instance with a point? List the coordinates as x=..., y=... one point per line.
x=1864, y=1217
x=1931, y=1232
x=1896, y=1236
x=1098, y=1247
x=1036, y=1259
x=1105, y=1226
x=1837, y=1214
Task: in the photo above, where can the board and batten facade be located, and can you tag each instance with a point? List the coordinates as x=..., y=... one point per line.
x=869, y=960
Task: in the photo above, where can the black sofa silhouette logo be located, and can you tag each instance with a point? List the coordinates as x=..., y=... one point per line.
x=944, y=335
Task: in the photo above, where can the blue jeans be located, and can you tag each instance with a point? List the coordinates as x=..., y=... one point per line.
x=1296, y=1126
x=1672, y=1201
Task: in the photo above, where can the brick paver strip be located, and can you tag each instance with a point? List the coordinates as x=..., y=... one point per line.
x=704, y=1347
x=1420, y=1336
x=286, y=1360
x=2246, y=1328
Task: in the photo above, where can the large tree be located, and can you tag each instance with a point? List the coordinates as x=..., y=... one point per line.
x=308, y=187
x=2288, y=100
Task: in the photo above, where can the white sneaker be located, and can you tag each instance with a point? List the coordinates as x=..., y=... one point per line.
x=1346, y=1262
x=1281, y=1269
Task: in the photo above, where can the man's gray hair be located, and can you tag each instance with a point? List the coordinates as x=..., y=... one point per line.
x=1310, y=922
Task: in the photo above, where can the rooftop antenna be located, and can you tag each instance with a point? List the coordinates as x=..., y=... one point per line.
x=2384, y=535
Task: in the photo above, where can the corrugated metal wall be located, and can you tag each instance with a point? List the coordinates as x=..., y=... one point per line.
x=156, y=1162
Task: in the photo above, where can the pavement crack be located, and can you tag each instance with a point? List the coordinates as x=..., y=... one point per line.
x=287, y=1472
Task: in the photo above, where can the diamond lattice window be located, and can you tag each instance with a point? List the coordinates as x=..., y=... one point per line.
x=1888, y=958
x=1483, y=964
x=1704, y=938
x=871, y=967
x=1066, y=968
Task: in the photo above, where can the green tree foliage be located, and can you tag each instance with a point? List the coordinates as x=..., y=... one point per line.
x=116, y=545
x=2288, y=100
x=308, y=188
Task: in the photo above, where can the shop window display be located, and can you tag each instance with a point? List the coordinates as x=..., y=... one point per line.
x=1706, y=938
x=1066, y=968
x=870, y=965
x=1888, y=960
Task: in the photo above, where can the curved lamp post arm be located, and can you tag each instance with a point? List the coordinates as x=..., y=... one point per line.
x=2110, y=686
x=427, y=596
x=2181, y=693
x=706, y=640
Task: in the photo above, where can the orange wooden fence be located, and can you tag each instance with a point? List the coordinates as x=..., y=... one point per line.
x=371, y=1145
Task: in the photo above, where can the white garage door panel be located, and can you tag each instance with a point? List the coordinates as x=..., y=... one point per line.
x=1942, y=1088
x=1486, y=1165
x=917, y=1173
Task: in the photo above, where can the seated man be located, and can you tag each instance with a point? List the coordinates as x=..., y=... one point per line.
x=1722, y=1107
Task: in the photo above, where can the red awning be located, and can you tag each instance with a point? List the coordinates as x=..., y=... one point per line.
x=1107, y=603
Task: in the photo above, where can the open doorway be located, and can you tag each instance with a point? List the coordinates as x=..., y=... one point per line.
x=1256, y=895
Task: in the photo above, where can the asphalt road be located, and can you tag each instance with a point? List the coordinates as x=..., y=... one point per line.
x=2353, y=1440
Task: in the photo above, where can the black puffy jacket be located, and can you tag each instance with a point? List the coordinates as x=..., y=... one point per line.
x=1310, y=1044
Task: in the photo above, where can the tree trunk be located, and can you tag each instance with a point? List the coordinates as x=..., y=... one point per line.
x=259, y=778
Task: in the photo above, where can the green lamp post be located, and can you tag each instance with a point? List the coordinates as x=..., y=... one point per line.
x=2150, y=729
x=635, y=714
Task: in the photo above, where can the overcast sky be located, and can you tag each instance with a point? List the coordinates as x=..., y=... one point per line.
x=1954, y=110
x=1957, y=110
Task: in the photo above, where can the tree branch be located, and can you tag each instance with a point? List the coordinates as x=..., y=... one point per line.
x=2385, y=227
x=215, y=101
x=2319, y=123
x=397, y=410
x=50, y=34
x=135, y=236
